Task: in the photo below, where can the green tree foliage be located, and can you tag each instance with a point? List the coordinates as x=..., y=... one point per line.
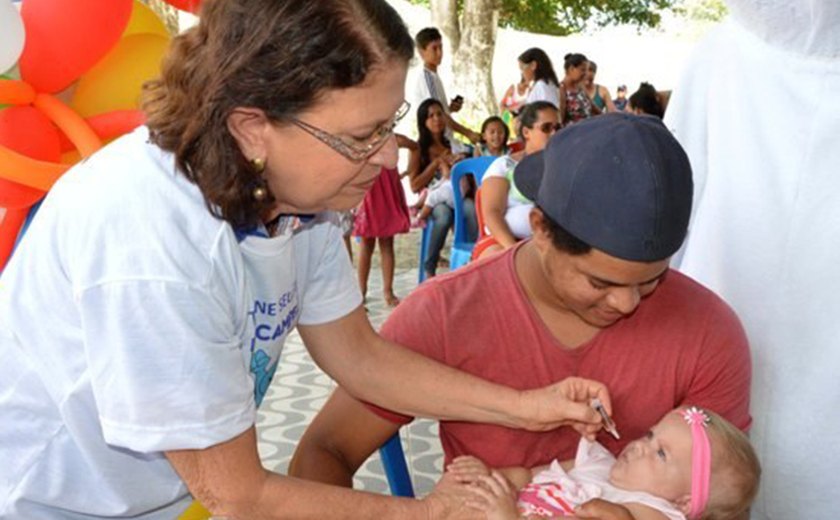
x=564, y=17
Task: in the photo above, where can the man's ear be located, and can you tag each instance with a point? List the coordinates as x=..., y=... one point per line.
x=541, y=236
x=249, y=127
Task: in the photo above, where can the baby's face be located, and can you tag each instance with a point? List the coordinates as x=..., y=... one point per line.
x=659, y=463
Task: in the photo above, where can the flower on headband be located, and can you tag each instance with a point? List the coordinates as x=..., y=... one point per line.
x=695, y=415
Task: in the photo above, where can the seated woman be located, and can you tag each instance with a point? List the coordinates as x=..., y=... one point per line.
x=503, y=209
x=426, y=170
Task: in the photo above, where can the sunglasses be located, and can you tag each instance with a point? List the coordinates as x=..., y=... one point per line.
x=549, y=128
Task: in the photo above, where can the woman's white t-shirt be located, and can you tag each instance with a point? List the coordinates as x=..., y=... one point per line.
x=133, y=322
x=518, y=206
x=543, y=91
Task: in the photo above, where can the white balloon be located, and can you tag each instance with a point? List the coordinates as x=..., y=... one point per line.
x=11, y=35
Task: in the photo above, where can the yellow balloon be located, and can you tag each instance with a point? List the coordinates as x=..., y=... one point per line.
x=195, y=512
x=115, y=82
x=144, y=20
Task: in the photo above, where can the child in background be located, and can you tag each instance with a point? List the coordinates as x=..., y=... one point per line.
x=494, y=138
x=693, y=465
x=382, y=214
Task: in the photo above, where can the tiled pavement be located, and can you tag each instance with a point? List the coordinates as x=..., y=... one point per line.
x=300, y=389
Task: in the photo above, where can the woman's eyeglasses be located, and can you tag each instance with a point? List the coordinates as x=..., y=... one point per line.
x=548, y=128
x=357, y=151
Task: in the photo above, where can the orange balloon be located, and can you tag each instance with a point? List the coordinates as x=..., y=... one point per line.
x=9, y=230
x=26, y=131
x=29, y=172
x=13, y=92
x=114, y=124
x=69, y=122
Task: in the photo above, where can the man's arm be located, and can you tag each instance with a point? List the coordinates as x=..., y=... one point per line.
x=473, y=136
x=339, y=440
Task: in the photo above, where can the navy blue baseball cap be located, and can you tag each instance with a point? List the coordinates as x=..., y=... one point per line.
x=619, y=182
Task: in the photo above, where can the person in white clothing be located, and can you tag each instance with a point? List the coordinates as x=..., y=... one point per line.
x=428, y=84
x=144, y=313
x=536, y=68
x=504, y=210
x=765, y=227
x=693, y=464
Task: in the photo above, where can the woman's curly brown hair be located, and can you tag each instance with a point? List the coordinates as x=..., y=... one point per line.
x=275, y=55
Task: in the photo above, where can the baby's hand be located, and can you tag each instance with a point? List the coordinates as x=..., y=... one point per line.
x=494, y=495
x=466, y=469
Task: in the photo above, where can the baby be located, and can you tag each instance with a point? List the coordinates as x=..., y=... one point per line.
x=693, y=464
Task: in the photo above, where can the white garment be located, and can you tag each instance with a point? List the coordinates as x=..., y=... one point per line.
x=762, y=130
x=590, y=478
x=543, y=91
x=441, y=193
x=518, y=207
x=427, y=85
x=133, y=322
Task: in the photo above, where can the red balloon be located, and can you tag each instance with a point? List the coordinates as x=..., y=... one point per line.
x=185, y=5
x=27, y=131
x=65, y=38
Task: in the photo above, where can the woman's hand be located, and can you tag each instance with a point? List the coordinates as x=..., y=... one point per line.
x=598, y=509
x=451, y=500
x=566, y=403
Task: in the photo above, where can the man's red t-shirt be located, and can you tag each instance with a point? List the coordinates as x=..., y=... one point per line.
x=682, y=345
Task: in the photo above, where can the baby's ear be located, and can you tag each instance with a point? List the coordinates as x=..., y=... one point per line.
x=683, y=503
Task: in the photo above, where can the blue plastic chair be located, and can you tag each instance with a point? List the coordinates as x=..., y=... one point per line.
x=461, y=246
x=396, y=469
x=424, y=249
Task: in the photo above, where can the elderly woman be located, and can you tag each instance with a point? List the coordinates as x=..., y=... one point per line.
x=143, y=316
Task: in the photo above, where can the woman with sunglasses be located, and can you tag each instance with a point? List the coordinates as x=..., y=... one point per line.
x=504, y=210
x=143, y=315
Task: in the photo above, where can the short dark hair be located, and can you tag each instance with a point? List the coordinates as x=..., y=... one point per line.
x=530, y=113
x=562, y=239
x=647, y=100
x=426, y=36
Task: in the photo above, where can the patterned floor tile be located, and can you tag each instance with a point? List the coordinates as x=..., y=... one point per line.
x=300, y=388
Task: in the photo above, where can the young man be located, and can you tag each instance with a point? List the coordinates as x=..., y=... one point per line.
x=589, y=295
x=428, y=84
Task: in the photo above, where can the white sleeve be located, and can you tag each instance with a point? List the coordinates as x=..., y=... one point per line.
x=156, y=349
x=331, y=290
x=443, y=194
x=499, y=167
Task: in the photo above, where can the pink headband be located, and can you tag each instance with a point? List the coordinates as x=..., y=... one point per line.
x=701, y=460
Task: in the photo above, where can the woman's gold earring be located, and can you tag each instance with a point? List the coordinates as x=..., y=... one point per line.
x=260, y=192
x=258, y=164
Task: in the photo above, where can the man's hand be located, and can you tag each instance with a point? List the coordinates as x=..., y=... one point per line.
x=456, y=104
x=598, y=509
x=566, y=404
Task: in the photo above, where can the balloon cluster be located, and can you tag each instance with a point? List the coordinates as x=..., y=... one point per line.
x=81, y=67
